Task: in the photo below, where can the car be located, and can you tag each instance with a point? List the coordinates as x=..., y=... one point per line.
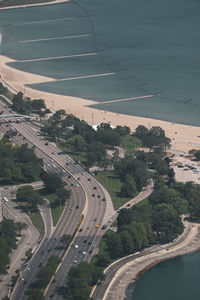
x=76, y=246
x=95, y=220
x=98, y=196
x=46, y=144
x=104, y=199
x=103, y=227
x=77, y=206
x=89, y=243
x=97, y=226
x=69, y=176
x=5, y=199
x=89, y=179
x=90, y=251
x=75, y=261
x=52, y=153
x=71, y=208
x=78, y=178
x=94, y=188
x=85, y=241
x=88, y=228
x=67, y=163
x=84, y=252
x=128, y=205
x=93, y=195
x=80, y=230
x=80, y=251
x=72, y=184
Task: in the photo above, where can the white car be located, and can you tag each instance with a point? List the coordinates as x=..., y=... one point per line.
x=84, y=253
x=5, y=199
x=75, y=261
x=76, y=246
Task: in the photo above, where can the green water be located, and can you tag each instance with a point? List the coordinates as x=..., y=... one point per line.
x=176, y=279
x=150, y=46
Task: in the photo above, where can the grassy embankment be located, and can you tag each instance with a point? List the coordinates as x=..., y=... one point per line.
x=56, y=210
x=112, y=183
x=34, y=216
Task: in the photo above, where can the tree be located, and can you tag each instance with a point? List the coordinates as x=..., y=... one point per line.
x=129, y=188
x=141, y=131
x=62, y=194
x=27, y=194
x=166, y=223
x=114, y=244
x=34, y=294
x=52, y=181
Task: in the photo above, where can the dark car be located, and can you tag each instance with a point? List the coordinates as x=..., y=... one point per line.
x=80, y=230
x=93, y=195
x=94, y=188
x=98, y=196
x=46, y=144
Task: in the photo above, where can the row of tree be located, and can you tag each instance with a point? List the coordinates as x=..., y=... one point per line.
x=27, y=106
x=9, y=231
x=18, y=164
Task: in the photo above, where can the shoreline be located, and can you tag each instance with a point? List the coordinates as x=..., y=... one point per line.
x=183, y=137
x=125, y=279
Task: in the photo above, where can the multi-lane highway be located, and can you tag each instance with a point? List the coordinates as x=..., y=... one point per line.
x=88, y=198
x=87, y=194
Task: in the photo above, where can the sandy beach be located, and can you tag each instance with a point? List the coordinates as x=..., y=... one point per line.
x=184, y=137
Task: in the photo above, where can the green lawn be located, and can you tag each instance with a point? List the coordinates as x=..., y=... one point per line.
x=143, y=202
x=55, y=210
x=37, y=221
x=112, y=183
x=34, y=216
x=80, y=156
x=130, y=143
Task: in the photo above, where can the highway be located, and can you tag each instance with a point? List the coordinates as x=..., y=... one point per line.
x=90, y=201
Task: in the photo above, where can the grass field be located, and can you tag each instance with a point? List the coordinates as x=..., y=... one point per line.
x=34, y=216
x=113, y=185
x=55, y=210
x=130, y=143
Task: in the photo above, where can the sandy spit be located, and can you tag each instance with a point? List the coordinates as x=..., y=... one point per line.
x=183, y=137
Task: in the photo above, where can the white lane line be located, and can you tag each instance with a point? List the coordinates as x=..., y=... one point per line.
x=126, y=99
x=56, y=57
x=44, y=21
x=87, y=76
x=56, y=38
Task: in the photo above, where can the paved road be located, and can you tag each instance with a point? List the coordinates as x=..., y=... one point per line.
x=92, y=207
x=99, y=291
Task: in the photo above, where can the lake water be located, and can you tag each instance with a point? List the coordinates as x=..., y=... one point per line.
x=175, y=279
x=113, y=49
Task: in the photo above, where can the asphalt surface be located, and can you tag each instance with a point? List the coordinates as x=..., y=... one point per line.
x=88, y=199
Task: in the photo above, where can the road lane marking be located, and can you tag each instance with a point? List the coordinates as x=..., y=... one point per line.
x=87, y=76
x=56, y=38
x=126, y=99
x=57, y=57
